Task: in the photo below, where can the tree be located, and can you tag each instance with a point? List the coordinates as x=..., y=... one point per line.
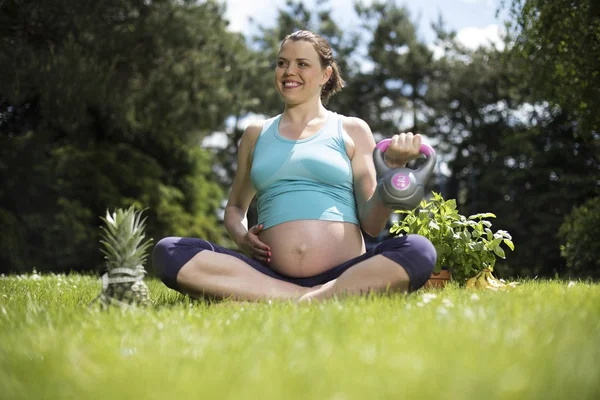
x=560, y=39
x=403, y=67
x=557, y=44
x=515, y=154
x=104, y=105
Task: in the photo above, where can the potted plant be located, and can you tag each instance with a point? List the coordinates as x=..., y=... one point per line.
x=466, y=246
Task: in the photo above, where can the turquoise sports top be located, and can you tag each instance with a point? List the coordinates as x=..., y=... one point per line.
x=303, y=179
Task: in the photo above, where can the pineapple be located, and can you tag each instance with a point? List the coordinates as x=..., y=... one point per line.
x=125, y=254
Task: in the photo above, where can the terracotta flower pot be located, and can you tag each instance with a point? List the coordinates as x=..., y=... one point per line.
x=438, y=280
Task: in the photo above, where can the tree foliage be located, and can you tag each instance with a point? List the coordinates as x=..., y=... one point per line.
x=560, y=40
x=579, y=239
x=402, y=67
x=104, y=106
x=514, y=153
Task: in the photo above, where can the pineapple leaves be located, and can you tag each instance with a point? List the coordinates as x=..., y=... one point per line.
x=123, y=239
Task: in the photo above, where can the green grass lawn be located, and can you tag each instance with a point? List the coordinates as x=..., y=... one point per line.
x=538, y=341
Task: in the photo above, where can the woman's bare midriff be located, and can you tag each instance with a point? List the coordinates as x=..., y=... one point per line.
x=308, y=247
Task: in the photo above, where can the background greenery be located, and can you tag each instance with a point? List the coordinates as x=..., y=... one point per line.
x=106, y=104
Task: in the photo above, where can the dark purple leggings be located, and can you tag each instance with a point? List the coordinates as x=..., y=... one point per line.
x=415, y=253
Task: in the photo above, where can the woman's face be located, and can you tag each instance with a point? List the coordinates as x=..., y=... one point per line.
x=298, y=73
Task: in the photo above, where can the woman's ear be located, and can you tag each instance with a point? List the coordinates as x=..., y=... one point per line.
x=327, y=74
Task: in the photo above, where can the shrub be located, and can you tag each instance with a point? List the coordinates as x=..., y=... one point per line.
x=580, y=239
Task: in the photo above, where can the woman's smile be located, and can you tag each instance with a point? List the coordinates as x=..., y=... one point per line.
x=289, y=84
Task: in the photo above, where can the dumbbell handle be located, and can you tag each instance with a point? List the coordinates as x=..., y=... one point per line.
x=425, y=148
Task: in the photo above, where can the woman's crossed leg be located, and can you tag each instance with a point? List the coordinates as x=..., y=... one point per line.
x=197, y=267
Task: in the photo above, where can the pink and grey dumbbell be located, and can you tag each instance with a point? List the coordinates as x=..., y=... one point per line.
x=402, y=188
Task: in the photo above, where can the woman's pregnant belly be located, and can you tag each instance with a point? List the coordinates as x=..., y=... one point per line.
x=308, y=247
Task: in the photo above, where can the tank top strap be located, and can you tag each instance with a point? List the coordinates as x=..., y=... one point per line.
x=336, y=130
x=330, y=128
x=269, y=123
x=340, y=126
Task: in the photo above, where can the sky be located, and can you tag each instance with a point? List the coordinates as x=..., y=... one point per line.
x=474, y=20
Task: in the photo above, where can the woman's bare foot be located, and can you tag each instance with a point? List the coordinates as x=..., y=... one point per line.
x=319, y=292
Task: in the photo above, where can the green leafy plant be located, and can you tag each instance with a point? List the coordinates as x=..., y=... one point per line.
x=579, y=235
x=465, y=245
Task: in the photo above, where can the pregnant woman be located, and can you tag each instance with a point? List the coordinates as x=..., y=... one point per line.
x=313, y=174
